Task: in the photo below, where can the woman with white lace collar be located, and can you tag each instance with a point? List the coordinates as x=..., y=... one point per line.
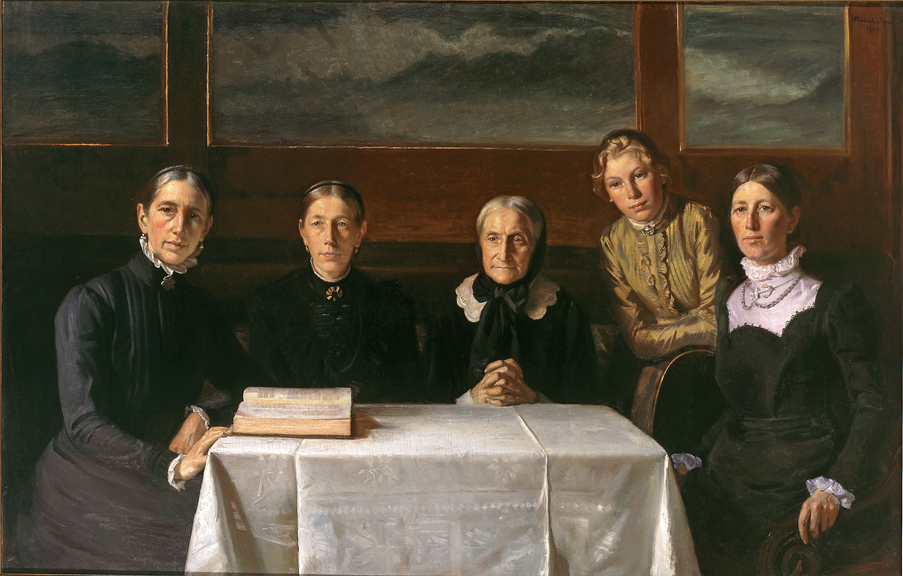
x=789, y=346
x=511, y=335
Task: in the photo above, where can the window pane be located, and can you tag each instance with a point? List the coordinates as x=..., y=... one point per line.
x=83, y=71
x=460, y=73
x=764, y=76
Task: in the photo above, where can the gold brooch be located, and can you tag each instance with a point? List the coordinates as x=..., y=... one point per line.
x=333, y=293
x=168, y=283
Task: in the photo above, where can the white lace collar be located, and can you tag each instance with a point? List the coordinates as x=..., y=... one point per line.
x=780, y=268
x=182, y=268
x=772, y=295
x=541, y=294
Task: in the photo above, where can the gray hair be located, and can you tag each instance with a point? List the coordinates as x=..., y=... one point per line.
x=519, y=204
x=181, y=173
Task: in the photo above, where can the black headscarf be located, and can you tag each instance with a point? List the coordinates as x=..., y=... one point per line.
x=496, y=337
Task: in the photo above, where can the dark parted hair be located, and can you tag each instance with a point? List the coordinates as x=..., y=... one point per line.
x=180, y=173
x=779, y=180
x=341, y=190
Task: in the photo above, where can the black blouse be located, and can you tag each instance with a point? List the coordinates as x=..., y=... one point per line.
x=131, y=357
x=555, y=352
x=808, y=403
x=822, y=373
x=354, y=333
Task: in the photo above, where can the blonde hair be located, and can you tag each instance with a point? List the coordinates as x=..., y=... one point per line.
x=627, y=141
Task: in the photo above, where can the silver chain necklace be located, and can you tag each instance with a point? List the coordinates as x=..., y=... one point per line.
x=764, y=292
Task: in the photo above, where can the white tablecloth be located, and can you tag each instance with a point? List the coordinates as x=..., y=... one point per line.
x=540, y=489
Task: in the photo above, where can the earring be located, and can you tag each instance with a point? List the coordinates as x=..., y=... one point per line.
x=200, y=247
x=306, y=249
x=357, y=249
x=144, y=236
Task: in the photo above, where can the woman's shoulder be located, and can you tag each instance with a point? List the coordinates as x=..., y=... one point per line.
x=551, y=301
x=107, y=287
x=280, y=289
x=691, y=210
x=616, y=228
x=846, y=298
x=388, y=290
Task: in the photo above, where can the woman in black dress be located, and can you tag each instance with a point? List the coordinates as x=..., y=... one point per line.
x=116, y=490
x=511, y=335
x=327, y=324
x=796, y=362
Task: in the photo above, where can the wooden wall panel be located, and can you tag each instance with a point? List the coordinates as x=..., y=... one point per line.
x=415, y=195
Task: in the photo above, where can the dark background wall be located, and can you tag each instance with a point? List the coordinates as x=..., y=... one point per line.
x=67, y=212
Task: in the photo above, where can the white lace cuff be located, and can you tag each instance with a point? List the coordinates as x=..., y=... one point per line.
x=171, y=476
x=200, y=412
x=688, y=460
x=831, y=487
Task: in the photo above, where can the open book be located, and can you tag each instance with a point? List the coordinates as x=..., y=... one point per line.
x=294, y=412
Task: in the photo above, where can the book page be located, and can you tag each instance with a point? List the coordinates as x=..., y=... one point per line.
x=264, y=395
x=294, y=410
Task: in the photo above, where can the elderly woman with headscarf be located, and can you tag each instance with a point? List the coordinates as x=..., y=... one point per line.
x=511, y=335
x=328, y=324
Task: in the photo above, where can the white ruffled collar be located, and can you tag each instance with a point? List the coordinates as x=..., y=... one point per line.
x=782, y=267
x=182, y=268
x=541, y=294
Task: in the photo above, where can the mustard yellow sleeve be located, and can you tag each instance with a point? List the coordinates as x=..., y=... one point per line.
x=648, y=336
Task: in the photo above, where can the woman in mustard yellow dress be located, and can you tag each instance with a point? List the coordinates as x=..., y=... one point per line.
x=661, y=262
x=662, y=258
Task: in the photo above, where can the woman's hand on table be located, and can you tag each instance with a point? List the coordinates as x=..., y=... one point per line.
x=196, y=458
x=819, y=512
x=191, y=431
x=503, y=385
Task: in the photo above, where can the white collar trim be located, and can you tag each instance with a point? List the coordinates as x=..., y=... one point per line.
x=541, y=294
x=182, y=268
x=780, y=268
